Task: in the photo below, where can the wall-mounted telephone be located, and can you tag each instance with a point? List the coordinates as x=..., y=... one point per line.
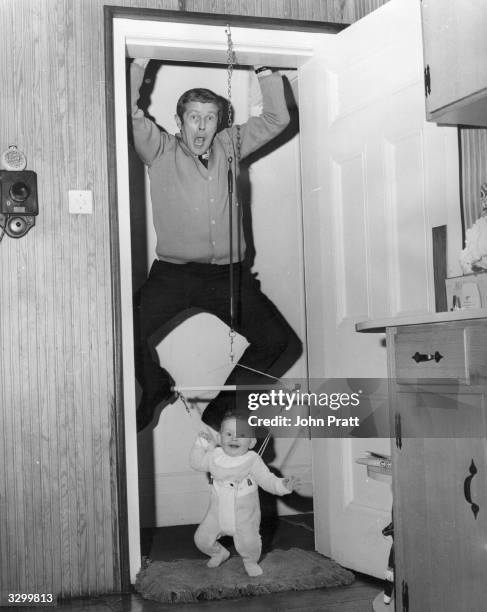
x=18, y=201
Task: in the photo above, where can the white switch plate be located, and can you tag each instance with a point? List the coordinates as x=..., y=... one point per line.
x=80, y=202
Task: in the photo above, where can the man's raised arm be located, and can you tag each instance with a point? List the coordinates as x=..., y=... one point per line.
x=274, y=117
x=148, y=138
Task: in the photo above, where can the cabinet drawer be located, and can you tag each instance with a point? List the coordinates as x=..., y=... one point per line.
x=432, y=354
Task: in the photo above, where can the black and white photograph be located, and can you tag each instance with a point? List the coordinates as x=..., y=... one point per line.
x=243, y=305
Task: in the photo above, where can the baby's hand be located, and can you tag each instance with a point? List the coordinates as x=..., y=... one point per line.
x=206, y=436
x=293, y=483
x=206, y=439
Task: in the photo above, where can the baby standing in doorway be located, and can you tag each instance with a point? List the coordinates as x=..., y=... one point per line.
x=237, y=472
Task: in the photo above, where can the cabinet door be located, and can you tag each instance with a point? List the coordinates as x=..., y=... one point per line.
x=440, y=472
x=440, y=542
x=455, y=52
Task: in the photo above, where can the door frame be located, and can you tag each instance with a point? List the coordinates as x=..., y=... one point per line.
x=123, y=423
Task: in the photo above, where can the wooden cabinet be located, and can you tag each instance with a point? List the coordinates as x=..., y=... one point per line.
x=455, y=61
x=438, y=414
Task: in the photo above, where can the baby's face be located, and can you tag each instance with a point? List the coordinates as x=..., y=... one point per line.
x=233, y=444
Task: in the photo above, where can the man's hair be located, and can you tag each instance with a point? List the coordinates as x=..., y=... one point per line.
x=198, y=94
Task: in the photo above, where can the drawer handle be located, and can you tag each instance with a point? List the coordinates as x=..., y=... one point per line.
x=398, y=430
x=419, y=357
x=405, y=596
x=466, y=489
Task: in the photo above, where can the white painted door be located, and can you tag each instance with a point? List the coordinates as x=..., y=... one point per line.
x=376, y=179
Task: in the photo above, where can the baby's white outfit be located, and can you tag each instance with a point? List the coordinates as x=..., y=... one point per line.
x=234, y=500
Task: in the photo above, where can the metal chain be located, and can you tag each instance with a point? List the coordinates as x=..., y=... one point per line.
x=230, y=64
x=231, y=333
x=231, y=61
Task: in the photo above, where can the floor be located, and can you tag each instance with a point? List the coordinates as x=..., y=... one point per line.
x=177, y=542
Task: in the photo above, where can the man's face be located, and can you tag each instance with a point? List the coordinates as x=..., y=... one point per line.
x=232, y=443
x=199, y=125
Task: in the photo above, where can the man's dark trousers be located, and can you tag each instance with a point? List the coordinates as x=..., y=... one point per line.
x=173, y=288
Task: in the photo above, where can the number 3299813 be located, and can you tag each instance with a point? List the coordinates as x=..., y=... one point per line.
x=30, y=598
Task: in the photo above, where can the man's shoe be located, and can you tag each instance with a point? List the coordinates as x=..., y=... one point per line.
x=148, y=407
x=217, y=408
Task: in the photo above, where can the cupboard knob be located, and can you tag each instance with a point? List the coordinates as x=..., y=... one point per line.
x=466, y=489
x=398, y=430
x=419, y=357
x=405, y=596
x=427, y=81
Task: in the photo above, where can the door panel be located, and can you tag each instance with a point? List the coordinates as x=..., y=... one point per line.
x=435, y=503
x=368, y=220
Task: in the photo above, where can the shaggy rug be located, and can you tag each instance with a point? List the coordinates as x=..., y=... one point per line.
x=189, y=580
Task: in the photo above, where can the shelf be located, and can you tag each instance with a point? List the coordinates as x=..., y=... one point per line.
x=380, y=325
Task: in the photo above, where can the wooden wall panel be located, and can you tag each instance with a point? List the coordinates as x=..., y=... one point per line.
x=58, y=495
x=339, y=11
x=57, y=375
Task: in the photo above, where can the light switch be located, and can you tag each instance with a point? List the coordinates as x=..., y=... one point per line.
x=80, y=202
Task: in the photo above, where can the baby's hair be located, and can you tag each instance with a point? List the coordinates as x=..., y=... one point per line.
x=241, y=419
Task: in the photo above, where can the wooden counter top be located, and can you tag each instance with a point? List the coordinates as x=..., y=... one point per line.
x=380, y=325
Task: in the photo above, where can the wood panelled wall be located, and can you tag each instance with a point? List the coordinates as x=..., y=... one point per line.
x=59, y=528
x=473, y=144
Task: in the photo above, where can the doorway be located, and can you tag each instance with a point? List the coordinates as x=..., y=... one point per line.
x=202, y=43
x=170, y=492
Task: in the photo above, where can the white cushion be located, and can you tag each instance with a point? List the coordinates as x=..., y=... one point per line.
x=196, y=353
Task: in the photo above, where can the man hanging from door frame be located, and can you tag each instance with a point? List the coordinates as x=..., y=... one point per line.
x=188, y=175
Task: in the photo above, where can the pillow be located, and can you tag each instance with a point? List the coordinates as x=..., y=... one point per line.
x=194, y=348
